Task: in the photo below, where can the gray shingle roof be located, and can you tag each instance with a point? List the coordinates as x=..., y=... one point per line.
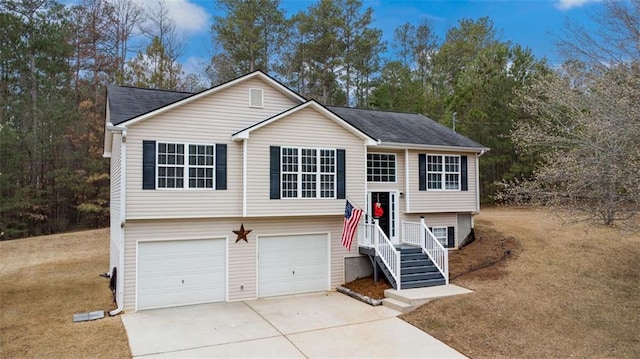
x=406, y=128
x=126, y=103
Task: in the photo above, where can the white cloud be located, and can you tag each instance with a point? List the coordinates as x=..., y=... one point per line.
x=568, y=4
x=190, y=18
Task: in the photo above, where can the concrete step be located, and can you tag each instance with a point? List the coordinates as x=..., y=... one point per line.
x=420, y=296
x=397, y=305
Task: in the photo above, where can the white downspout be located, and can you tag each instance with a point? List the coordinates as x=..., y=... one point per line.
x=478, y=155
x=123, y=209
x=244, y=176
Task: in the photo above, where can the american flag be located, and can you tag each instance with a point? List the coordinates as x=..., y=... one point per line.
x=351, y=219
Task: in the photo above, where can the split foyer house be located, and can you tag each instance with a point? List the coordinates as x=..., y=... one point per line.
x=239, y=191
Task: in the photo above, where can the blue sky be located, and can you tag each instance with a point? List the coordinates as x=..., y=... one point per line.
x=529, y=23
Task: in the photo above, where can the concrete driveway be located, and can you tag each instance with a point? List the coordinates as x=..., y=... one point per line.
x=319, y=325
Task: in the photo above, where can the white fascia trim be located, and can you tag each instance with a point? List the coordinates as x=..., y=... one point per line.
x=410, y=146
x=244, y=134
x=213, y=90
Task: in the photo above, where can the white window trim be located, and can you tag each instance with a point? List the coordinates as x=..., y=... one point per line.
x=261, y=97
x=185, y=166
x=444, y=173
x=395, y=161
x=318, y=173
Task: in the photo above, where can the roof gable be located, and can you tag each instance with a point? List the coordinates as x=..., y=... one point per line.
x=131, y=105
x=245, y=133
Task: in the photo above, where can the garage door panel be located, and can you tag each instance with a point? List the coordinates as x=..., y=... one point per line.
x=173, y=273
x=292, y=264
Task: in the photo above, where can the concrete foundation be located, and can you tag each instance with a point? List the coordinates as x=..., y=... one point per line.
x=357, y=267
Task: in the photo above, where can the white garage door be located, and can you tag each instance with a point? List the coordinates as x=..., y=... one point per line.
x=292, y=264
x=174, y=273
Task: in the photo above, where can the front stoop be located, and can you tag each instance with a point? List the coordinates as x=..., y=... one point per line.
x=407, y=300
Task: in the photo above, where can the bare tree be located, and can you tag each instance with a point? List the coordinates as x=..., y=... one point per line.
x=587, y=129
x=617, y=38
x=127, y=18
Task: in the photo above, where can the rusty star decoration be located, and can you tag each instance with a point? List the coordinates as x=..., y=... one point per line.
x=242, y=233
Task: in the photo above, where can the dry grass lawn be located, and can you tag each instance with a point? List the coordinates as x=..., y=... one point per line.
x=566, y=291
x=569, y=290
x=43, y=282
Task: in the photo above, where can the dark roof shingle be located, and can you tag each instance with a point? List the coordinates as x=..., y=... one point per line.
x=405, y=128
x=126, y=103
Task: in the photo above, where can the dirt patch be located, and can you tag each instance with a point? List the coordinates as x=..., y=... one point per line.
x=43, y=282
x=366, y=286
x=487, y=252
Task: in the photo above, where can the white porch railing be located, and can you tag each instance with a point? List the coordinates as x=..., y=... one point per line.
x=419, y=234
x=373, y=236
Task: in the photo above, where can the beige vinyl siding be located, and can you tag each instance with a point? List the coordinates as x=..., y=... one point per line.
x=242, y=263
x=307, y=129
x=114, y=203
x=400, y=173
x=209, y=120
x=398, y=186
x=441, y=200
x=436, y=220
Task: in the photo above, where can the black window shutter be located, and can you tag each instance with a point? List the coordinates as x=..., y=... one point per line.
x=422, y=171
x=451, y=237
x=464, y=181
x=274, y=172
x=341, y=191
x=221, y=166
x=148, y=164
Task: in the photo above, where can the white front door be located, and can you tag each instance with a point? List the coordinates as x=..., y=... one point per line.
x=292, y=264
x=175, y=273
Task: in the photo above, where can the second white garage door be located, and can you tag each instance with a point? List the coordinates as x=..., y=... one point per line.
x=293, y=264
x=174, y=273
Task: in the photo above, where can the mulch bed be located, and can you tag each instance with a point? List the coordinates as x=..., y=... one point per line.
x=489, y=249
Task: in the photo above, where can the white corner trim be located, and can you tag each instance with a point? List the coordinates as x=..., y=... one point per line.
x=245, y=147
x=406, y=181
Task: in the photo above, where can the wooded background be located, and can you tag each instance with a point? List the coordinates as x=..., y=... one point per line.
x=55, y=62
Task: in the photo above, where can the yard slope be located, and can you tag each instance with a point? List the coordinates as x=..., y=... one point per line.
x=43, y=282
x=570, y=290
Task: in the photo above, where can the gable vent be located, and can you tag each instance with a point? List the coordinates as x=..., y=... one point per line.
x=255, y=97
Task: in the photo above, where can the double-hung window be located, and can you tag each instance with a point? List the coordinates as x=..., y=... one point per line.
x=443, y=172
x=381, y=167
x=441, y=234
x=183, y=165
x=308, y=173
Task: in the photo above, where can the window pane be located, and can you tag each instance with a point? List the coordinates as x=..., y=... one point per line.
x=381, y=167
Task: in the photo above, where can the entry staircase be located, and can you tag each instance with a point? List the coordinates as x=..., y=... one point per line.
x=418, y=261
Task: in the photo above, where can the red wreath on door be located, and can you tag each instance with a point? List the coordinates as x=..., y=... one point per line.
x=377, y=210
